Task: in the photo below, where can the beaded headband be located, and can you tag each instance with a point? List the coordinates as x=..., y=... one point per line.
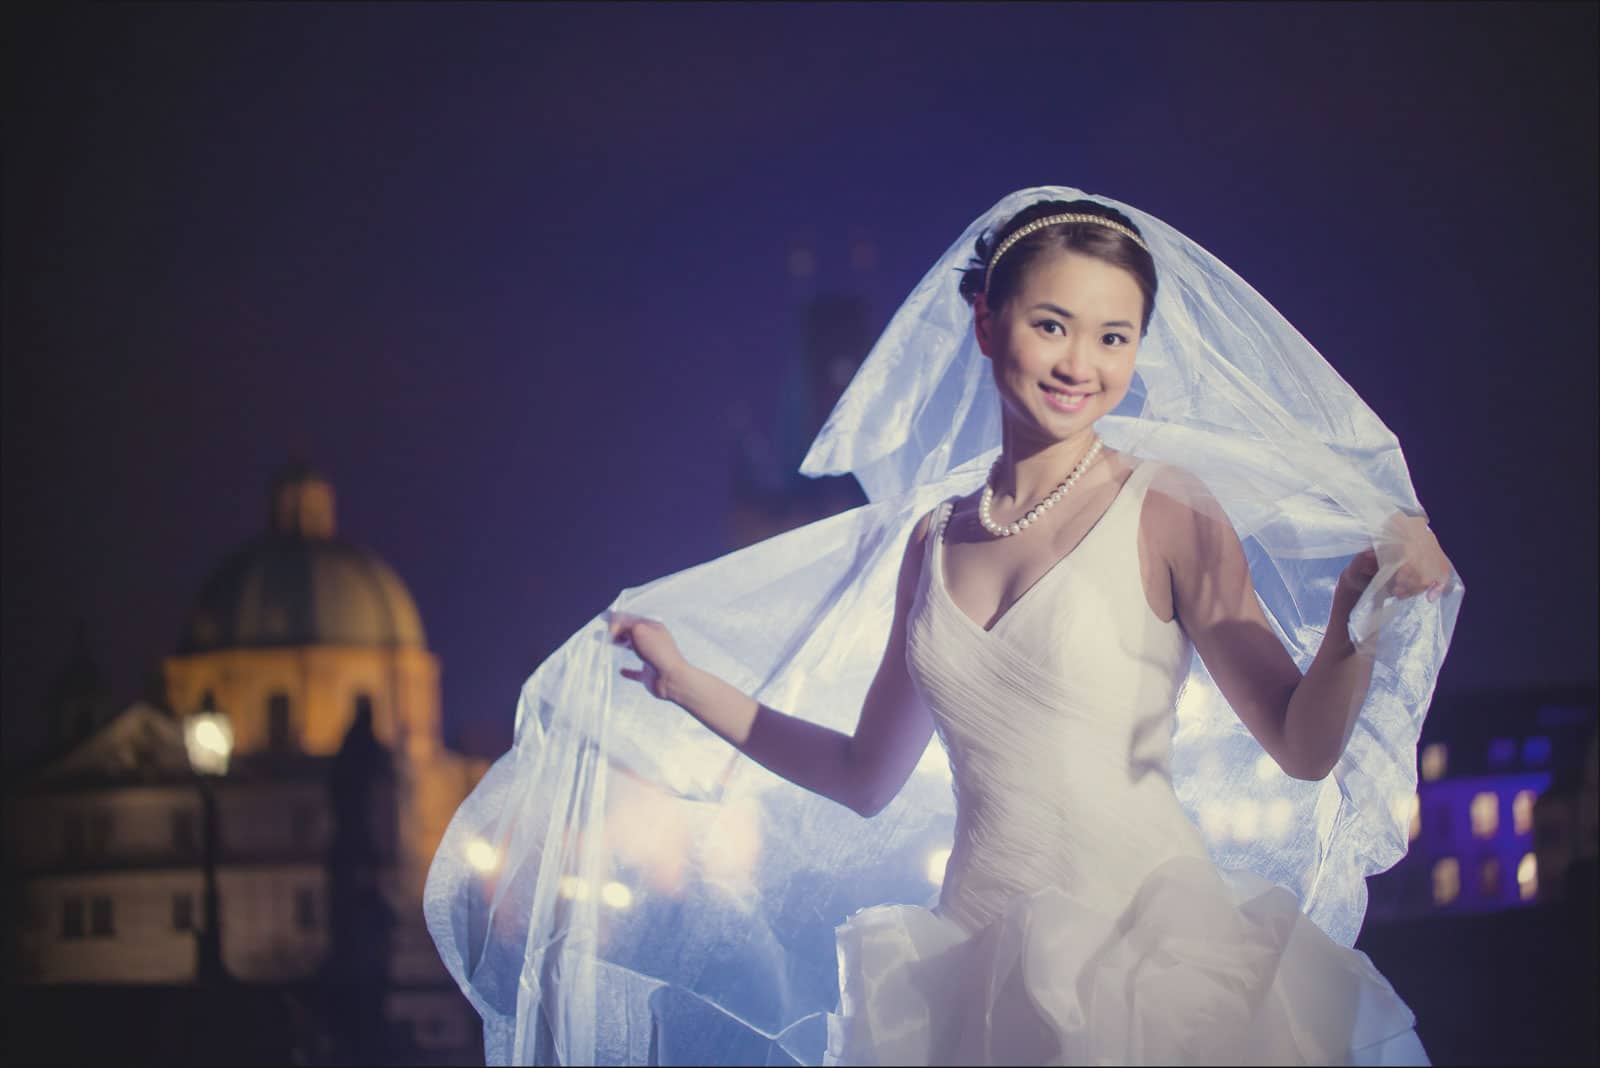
x=1054, y=220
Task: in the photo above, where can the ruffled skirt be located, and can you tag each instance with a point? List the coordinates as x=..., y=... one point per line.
x=1203, y=967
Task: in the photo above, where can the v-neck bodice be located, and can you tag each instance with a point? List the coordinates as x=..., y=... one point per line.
x=1058, y=721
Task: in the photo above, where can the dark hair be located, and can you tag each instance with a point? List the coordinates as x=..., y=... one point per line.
x=1100, y=242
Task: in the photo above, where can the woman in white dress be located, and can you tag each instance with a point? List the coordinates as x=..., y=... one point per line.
x=1045, y=624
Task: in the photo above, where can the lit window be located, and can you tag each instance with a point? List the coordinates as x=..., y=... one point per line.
x=1528, y=877
x=1502, y=751
x=72, y=918
x=1485, y=814
x=1522, y=811
x=1435, y=759
x=1446, y=881
x=100, y=918
x=1489, y=878
x=1415, y=822
x=1536, y=750
x=183, y=912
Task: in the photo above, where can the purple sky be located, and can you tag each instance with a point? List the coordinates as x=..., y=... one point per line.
x=502, y=273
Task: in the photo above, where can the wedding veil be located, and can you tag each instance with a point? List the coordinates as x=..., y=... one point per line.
x=624, y=887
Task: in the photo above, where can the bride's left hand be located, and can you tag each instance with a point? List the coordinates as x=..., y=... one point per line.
x=1422, y=565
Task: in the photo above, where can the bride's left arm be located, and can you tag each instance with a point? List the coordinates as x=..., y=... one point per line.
x=1304, y=721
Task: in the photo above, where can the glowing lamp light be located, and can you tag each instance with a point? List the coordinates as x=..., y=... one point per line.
x=1528, y=877
x=573, y=888
x=616, y=895
x=208, y=739
x=1435, y=761
x=938, y=860
x=1485, y=813
x=1522, y=811
x=1266, y=768
x=483, y=857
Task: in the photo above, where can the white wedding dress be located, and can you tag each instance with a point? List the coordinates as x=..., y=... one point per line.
x=1081, y=920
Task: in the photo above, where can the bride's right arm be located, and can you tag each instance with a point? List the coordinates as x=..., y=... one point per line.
x=862, y=771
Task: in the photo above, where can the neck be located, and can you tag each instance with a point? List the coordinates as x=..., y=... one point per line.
x=1027, y=470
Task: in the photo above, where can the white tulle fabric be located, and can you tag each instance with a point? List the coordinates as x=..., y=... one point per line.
x=624, y=888
x=1081, y=919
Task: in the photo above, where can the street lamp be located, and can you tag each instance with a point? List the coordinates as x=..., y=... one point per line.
x=208, y=740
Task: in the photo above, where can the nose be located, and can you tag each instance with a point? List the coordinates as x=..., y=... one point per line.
x=1074, y=364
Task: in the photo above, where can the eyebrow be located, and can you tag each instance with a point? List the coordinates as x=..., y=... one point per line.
x=1059, y=310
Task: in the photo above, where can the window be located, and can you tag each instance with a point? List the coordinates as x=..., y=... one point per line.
x=1489, y=878
x=1435, y=761
x=183, y=839
x=100, y=918
x=1522, y=811
x=1528, y=877
x=183, y=911
x=1536, y=750
x=72, y=918
x=1485, y=814
x=1502, y=751
x=1446, y=881
x=99, y=832
x=72, y=834
x=305, y=908
x=280, y=731
x=303, y=825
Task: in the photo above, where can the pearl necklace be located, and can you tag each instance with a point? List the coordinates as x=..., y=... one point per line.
x=987, y=497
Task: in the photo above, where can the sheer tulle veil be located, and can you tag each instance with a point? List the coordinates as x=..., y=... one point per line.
x=623, y=887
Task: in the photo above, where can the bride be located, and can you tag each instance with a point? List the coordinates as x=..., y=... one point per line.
x=1189, y=596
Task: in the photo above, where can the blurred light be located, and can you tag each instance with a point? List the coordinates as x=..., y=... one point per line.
x=802, y=263
x=1407, y=809
x=1214, y=819
x=1485, y=814
x=863, y=255
x=1266, y=768
x=1415, y=829
x=938, y=860
x=935, y=761
x=1502, y=751
x=208, y=739
x=1446, y=881
x=616, y=895
x=1246, y=820
x=1435, y=760
x=482, y=856
x=1536, y=750
x=1522, y=811
x=1280, y=818
x=731, y=843
x=1528, y=877
x=573, y=888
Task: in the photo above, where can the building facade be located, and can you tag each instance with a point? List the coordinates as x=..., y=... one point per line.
x=313, y=846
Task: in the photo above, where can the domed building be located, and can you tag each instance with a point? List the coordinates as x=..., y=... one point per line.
x=311, y=848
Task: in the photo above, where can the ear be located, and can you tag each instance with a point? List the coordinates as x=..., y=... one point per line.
x=983, y=325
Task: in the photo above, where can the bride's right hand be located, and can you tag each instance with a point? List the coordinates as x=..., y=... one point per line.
x=651, y=642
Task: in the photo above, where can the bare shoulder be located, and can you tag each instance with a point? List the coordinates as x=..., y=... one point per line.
x=1179, y=510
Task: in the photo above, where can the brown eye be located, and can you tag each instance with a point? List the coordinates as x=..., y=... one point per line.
x=1112, y=341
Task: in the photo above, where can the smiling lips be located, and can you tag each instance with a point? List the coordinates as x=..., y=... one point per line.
x=1063, y=400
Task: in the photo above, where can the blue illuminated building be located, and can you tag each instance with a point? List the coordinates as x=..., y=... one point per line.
x=1504, y=805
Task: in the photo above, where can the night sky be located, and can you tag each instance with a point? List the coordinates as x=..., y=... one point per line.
x=506, y=274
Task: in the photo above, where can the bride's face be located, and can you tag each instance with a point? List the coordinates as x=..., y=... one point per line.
x=1063, y=346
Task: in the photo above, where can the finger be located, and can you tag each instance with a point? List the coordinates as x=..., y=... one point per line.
x=636, y=674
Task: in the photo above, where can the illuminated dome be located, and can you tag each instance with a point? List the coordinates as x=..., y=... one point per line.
x=301, y=585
